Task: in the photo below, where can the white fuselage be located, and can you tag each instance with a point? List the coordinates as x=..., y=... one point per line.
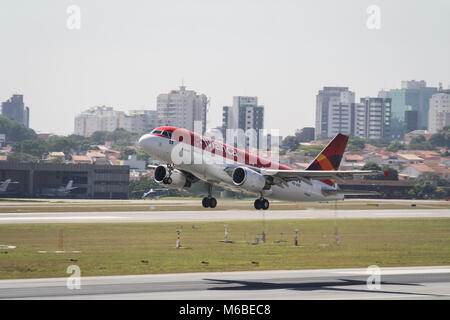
x=207, y=167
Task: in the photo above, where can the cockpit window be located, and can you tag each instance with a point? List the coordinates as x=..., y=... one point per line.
x=168, y=134
x=156, y=131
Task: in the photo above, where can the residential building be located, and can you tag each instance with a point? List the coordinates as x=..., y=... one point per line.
x=439, y=113
x=372, y=118
x=103, y=118
x=141, y=121
x=181, y=108
x=322, y=109
x=245, y=114
x=340, y=114
x=100, y=118
x=15, y=109
x=415, y=170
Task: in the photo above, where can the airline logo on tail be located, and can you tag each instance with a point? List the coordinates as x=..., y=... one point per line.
x=330, y=157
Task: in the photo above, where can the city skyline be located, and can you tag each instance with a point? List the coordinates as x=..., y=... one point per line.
x=282, y=52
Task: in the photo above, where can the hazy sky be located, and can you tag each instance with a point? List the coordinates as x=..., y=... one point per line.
x=283, y=51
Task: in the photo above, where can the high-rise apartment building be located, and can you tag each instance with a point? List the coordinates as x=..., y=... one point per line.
x=372, y=118
x=245, y=114
x=141, y=120
x=439, y=113
x=340, y=114
x=323, y=99
x=181, y=108
x=15, y=109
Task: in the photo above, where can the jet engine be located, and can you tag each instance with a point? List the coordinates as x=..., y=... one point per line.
x=175, y=179
x=248, y=179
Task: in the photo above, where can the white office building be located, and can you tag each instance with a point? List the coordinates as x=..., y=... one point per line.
x=181, y=108
x=439, y=112
x=104, y=118
x=340, y=113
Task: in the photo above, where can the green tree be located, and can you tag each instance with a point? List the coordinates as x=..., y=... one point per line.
x=290, y=142
x=15, y=131
x=355, y=144
x=21, y=157
x=35, y=147
x=126, y=152
x=395, y=146
x=139, y=186
x=312, y=150
x=372, y=166
x=389, y=173
x=441, y=138
x=419, y=143
x=433, y=179
x=99, y=137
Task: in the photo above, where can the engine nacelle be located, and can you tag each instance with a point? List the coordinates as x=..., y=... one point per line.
x=248, y=179
x=161, y=172
x=176, y=179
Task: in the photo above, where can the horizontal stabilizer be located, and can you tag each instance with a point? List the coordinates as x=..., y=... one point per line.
x=329, y=192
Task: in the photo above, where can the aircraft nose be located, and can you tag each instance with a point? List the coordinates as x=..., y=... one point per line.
x=145, y=141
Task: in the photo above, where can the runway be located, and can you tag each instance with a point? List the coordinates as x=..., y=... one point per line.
x=395, y=283
x=214, y=215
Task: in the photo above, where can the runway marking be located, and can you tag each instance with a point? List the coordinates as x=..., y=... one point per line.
x=397, y=272
x=62, y=218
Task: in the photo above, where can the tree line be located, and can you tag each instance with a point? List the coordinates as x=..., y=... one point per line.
x=27, y=147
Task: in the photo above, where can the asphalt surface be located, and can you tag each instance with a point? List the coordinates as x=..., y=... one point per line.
x=395, y=283
x=205, y=215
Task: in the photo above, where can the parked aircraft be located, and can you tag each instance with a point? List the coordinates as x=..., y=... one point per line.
x=58, y=192
x=4, y=186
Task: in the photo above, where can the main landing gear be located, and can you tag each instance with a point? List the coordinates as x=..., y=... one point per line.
x=168, y=179
x=261, y=203
x=209, y=201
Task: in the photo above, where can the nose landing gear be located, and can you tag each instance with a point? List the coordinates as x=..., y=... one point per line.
x=261, y=203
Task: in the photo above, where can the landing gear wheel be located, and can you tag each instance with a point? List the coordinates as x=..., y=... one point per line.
x=209, y=202
x=212, y=202
x=205, y=202
x=167, y=180
x=261, y=204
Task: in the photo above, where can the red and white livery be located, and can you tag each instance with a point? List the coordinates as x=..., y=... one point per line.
x=188, y=157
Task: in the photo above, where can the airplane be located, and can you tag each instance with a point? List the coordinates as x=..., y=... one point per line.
x=58, y=192
x=4, y=186
x=154, y=193
x=244, y=172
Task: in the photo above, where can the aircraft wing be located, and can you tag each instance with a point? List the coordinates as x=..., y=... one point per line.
x=308, y=175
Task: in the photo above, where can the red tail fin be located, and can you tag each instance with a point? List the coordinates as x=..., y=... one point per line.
x=330, y=157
